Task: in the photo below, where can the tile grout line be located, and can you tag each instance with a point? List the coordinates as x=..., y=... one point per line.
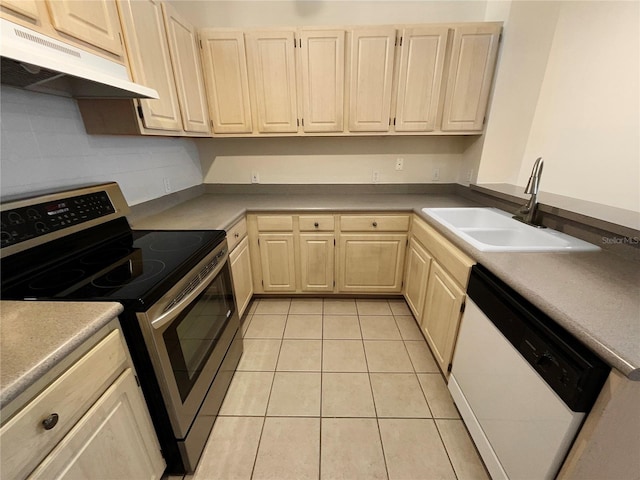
x=446, y=450
x=384, y=457
x=321, y=385
x=273, y=379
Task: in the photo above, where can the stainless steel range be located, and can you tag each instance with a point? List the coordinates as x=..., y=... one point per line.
x=180, y=319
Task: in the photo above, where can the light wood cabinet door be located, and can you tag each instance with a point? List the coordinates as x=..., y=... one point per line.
x=95, y=22
x=473, y=59
x=28, y=8
x=225, y=71
x=441, y=317
x=148, y=51
x=371, y=263
x=187, y=71
x=272, y=76
x=115, y=439
x=240, y=261
x=416, y=276
x=371, y=74
x=322, y=71
x=277, y=258
x=422, y=55
x=316, y=262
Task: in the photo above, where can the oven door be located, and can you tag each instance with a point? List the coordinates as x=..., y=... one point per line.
x=188, y=333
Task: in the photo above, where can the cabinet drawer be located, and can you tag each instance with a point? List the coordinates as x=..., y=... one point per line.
x=275, y=223
x=312, y=223
x=453, y=260
x=236, y=233
x=25, y=442
x=374, y=223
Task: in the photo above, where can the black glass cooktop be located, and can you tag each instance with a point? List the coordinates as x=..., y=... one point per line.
x=136, y=268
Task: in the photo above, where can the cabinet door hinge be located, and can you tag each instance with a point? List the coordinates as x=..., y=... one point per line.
x=120, y=37
x=400, y=41
x=484, y=120
x=258, y=241
x=297, y=122
x=200, y=44
x=463, y=306
x=262, y=282
x=394, y=121
x=211, y=121
x=302, y=122
x=449, y=368
x=295, y=43
x=137, y=380
x=300, y=43
x=499, y=38
x=140, y=112
x=334, y=242
x=389, y=121
x=407, y=244
x=334, y=284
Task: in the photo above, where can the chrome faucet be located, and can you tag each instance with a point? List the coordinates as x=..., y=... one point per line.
x=527, y=212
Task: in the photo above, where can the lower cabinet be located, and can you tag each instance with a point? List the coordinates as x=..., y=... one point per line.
x=441, y=317
x=371, y=263
x=240, y=262
x=316, y=262
x=114, y=439
x=416, y=276
x=87, y=419
x=436, y=279
x=277, y=259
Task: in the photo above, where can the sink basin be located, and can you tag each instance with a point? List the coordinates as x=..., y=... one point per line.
x=493, y=230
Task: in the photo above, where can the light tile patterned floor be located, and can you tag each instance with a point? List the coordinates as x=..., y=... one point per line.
x=337, y=389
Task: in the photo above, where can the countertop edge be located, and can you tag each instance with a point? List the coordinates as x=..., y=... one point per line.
x=11, y=391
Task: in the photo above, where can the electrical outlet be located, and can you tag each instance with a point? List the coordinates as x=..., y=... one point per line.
x=167, y=185
x=435, y=174
x=469, y=175
x=255, y=177
x=376, y=177
x=399, y=163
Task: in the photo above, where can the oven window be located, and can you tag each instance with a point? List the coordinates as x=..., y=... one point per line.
x=193, y=335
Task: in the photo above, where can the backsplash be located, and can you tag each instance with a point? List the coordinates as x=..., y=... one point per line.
x=44, y=145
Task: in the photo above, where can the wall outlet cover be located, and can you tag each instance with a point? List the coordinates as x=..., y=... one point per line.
x=167, y=185
x=376, y=177
x=399, y=163
x=255, y=177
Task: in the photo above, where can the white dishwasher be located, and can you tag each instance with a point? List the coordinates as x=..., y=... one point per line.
x=522, y=384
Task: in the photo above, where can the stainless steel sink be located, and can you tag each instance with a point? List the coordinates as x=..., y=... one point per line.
x=493, y=230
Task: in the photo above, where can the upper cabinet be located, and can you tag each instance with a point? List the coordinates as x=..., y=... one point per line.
x=93, y=26
x=420, y=72
x=321, y=70
x=272, y=80
x=187, y=71
x=473, y=59
x=371, y=76
x=163, y=54
x=148, y=50
x=225, y=67
x=94, y=22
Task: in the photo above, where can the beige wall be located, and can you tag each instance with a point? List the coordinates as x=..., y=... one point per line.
x=238, y=13
x=331, y=160
x=568, y=90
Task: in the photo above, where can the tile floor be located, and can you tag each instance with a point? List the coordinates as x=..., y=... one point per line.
x=337, y=389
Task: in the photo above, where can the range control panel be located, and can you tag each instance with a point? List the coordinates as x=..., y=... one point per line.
x=25, y=223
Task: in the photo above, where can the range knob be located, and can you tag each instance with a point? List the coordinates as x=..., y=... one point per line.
x=15, y=218
x=32, y=214
x=544, y=360
x=5, y=238
x=41, y=227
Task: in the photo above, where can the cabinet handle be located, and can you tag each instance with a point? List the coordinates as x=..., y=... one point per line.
x=316, y=224
x=50, y=422
x=236, y=235
x=375, y=224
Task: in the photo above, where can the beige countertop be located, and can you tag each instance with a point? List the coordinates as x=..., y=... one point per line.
x=35, y=336
x=595, y=296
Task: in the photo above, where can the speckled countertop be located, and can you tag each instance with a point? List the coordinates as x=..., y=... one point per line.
x=595, y=296
x=35, y=336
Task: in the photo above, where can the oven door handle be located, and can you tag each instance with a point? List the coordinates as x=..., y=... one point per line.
x=168, y=316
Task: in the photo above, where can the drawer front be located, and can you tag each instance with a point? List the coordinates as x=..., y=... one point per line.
x=236, y=233
x=374, y=223
x=25, y=441
x=275, y=223
x=453, y=260
x=319, y=223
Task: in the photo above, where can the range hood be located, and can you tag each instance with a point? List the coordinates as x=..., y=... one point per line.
x=36, y=62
